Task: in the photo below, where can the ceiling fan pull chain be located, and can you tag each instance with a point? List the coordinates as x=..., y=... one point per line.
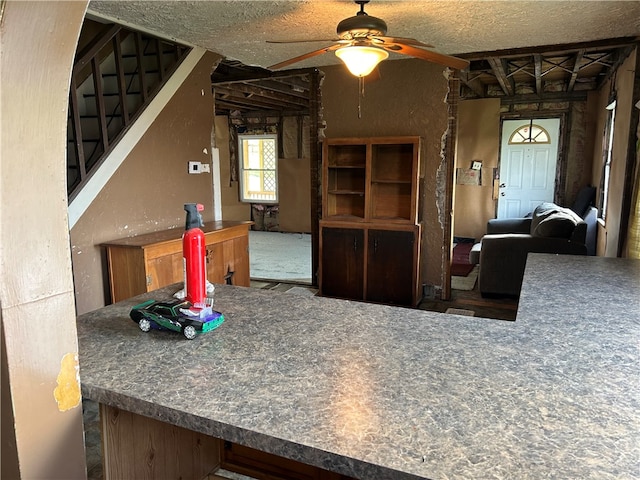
x=360, y=95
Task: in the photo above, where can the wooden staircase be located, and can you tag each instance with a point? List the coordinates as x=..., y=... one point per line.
x=114, y=78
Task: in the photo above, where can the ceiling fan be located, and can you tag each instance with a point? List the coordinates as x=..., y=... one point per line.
x=362, y=44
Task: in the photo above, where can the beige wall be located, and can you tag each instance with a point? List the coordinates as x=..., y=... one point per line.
x=294, y=180
x=42, y=433
x=149, y=189
x=579, y=148
x=609, y=231
x=478, y=139
x=407, y=99
x=232, y=207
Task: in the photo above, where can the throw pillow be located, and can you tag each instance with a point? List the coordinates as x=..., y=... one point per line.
x=558, y=224
x=541, y=212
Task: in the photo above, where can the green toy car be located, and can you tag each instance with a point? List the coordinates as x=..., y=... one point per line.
x=177, y=315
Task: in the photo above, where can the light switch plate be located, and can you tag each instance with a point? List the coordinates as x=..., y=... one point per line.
x=195, y=167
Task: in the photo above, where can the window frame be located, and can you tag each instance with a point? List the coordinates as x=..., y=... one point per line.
x=607, y=159
x=243, y=194
x=518, y=138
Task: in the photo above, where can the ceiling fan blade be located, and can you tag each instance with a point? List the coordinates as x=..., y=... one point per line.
x=300, y=58
x=305, y=41
x=403, y=40
x=431, y=56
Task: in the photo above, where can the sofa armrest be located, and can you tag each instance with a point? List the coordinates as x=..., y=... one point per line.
x=591, y=219
x=503, y=258
x=509, y=225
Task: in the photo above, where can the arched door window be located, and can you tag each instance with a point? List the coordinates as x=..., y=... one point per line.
x=530, y=134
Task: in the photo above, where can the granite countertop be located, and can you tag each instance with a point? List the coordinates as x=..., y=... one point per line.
x=374, y=391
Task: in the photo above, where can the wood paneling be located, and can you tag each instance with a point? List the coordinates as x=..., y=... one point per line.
x=144, y=448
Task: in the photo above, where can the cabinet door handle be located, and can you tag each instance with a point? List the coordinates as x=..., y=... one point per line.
x=355, y=244
x=375, y=245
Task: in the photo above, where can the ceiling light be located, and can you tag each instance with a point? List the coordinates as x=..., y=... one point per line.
x=361, y=60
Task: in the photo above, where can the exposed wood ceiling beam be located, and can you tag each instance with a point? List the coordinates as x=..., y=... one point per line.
x=554, y=50
x=576, y=69
x=248, y=101
x=554, y=64
x=255, y=90
x=537, y=62
x=500, y=71
x=545, y=97
x=232, y=75
x=622, y=55
x=301, y=91
x=524, y=68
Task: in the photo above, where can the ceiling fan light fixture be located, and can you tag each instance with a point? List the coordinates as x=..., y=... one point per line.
x=361, y=59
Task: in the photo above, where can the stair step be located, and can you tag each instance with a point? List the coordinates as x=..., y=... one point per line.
x=152, y=54
x=131, y=74
x=116, y=94
x=109, y=115
x=85, y=140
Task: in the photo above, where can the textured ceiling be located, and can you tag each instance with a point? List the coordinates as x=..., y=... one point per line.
x=239, y=29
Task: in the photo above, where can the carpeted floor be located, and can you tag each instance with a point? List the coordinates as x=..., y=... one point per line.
x=280, y=256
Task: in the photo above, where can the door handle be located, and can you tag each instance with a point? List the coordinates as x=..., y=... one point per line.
x=502, y=194
x=502, y=185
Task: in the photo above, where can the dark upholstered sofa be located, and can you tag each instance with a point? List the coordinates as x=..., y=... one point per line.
x=503, y=250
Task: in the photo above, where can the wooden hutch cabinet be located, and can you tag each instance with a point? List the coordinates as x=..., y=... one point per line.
x=369, y=232
x=147, y=262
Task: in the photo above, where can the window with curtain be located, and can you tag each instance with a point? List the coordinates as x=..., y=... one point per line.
x=258, y=155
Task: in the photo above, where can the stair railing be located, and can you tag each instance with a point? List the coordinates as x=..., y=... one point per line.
x=113, y=79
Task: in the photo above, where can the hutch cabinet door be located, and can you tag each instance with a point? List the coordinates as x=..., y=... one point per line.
x=342, y=267
x=390, y=267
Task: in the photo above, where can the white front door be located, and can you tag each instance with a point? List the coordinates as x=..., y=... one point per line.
x=528, y=159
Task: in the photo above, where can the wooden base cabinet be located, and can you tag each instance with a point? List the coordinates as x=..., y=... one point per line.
x=370, y=262
x=342, y=265
x=392, y=266
x=147, y=262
